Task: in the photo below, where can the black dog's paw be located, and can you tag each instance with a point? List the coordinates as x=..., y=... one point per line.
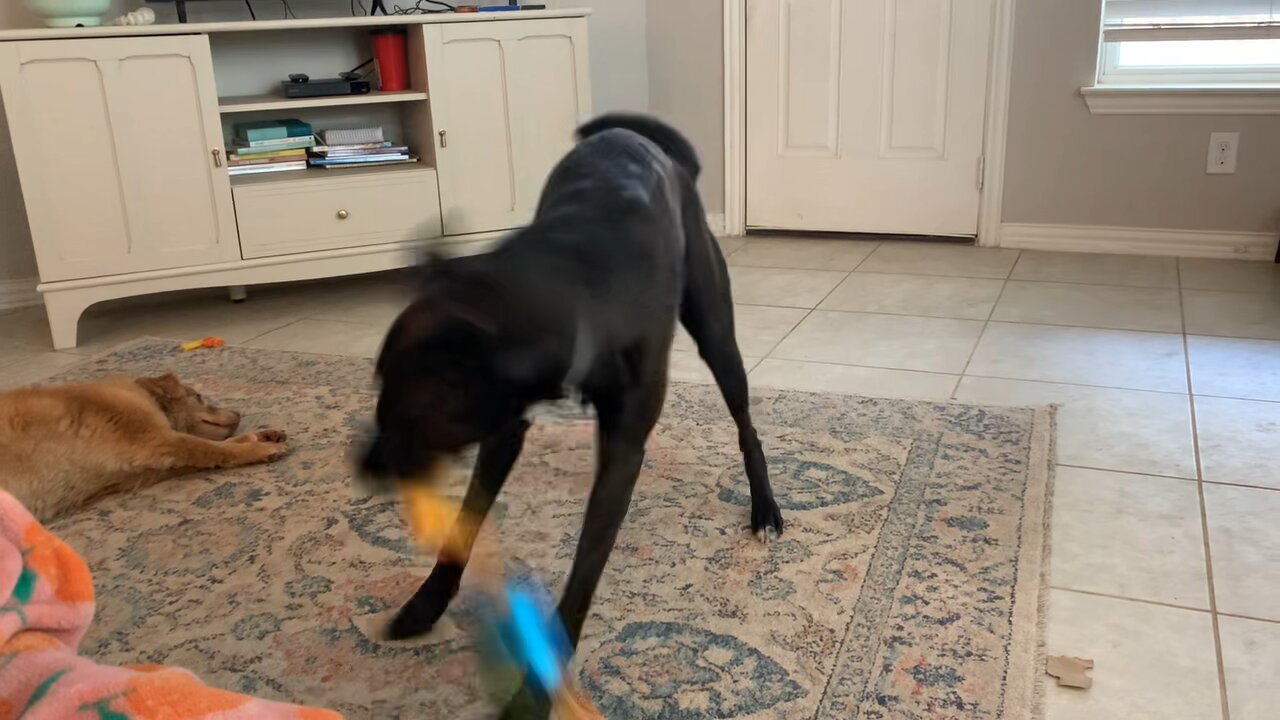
x=765, y=516
x=411, y=623
x=425, y=608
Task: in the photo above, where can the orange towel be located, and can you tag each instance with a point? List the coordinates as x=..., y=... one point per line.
x=46, y=605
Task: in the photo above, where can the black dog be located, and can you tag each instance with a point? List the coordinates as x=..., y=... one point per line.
x=584, y=300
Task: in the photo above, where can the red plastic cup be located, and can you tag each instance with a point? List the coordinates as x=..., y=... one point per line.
x=390, y=59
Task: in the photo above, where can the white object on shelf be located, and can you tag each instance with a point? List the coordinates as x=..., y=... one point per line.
x=352, y=136
x=141, y=16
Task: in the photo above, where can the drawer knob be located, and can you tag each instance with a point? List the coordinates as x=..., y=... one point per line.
x=342, y=214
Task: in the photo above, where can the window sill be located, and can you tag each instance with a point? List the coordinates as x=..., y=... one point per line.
x=1182, y=99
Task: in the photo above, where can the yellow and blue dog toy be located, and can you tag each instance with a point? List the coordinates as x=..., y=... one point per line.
x=521, y=638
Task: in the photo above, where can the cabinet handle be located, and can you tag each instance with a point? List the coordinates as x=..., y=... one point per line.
x=217, y=157
x=444, y=142
x=342, y=214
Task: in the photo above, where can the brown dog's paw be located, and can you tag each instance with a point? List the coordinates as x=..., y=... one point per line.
x=261, y=446
x=272, y=451
x=270, y=436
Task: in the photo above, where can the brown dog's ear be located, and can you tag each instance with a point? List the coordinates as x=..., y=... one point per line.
x=163, y=387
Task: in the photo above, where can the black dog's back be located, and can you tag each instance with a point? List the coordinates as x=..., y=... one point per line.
x=610, y=233
x=675, y=145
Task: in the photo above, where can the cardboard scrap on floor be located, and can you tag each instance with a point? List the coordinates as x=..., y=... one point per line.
x=1070, y=671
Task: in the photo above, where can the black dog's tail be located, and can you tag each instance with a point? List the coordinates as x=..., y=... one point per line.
x=675, y=145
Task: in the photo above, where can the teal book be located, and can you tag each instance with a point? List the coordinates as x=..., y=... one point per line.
x=260, y=130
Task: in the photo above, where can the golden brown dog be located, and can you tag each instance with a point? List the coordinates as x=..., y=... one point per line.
x=64, y=445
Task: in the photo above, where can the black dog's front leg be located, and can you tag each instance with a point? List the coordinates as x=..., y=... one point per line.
x=610, y=498
x=623, y=430
x=493, y=464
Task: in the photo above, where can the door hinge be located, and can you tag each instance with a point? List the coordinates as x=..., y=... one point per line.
x=982, y=166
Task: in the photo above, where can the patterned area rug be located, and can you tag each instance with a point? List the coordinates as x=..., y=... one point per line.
x=908, y=583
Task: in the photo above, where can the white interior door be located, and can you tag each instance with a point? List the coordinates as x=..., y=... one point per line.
x=866, y=115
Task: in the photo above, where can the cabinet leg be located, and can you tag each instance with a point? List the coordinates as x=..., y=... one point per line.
x=237, y=293
x=64, y=319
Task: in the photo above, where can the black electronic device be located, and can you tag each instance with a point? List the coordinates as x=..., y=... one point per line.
x=300, y=86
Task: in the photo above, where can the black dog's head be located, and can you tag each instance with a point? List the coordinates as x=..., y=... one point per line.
x=453, y=370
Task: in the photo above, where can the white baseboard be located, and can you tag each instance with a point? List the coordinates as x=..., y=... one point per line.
x=1140, y=241
x=716, y=221
x=18, y=293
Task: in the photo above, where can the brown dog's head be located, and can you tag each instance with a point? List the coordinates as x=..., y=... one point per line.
x=187, y=410
x=455, y=366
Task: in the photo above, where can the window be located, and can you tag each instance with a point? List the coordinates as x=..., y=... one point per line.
x=1164, y=43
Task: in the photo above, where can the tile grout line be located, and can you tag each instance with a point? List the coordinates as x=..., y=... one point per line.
x=1142, y=601
x=1245, y=486
x=1204, y=514
x=295, y=321
x=1219, y=483
x=1126, y=472
x=1038, y=323
x=985, y=324
x=769, y=355
x=1237, y=399
x=1076, y=384
x=1250, y=618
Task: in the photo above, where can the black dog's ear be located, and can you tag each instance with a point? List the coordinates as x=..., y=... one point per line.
x=413, y=326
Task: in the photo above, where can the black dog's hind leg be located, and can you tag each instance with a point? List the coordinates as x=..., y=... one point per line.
x=493, y=464
x=624, y=424
x=707, y=313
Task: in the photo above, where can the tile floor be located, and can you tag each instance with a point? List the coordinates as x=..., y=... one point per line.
x=1166, y=541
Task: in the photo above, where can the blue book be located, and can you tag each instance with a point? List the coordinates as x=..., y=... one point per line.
x=360, y=159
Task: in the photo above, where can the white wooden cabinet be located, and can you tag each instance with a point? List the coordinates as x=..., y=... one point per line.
x=340, y=209
x=510, y=98
x=118, y=134
x=118, y=147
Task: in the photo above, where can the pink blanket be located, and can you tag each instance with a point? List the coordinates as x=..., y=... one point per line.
x=46, y=605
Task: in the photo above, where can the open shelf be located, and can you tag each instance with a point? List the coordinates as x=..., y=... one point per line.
x=313, y=174
x=259, y=103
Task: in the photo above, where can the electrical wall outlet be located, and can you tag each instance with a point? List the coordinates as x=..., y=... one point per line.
x=1223, y=149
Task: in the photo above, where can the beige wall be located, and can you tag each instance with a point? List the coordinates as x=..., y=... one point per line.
x=619, y=73
x=1066, y=166
x=686, y=81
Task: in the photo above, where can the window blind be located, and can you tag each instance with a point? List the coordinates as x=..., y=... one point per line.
x=1153, y=20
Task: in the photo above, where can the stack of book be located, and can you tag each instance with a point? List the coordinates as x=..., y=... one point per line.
x=270, y=146
x=358, y=149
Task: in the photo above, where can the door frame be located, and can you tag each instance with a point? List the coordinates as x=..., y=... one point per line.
x=995, y=126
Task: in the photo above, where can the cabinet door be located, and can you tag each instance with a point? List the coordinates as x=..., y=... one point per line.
x=506, y=97
x=118, y=147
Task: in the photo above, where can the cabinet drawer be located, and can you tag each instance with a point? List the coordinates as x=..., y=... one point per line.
x=331, y=209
